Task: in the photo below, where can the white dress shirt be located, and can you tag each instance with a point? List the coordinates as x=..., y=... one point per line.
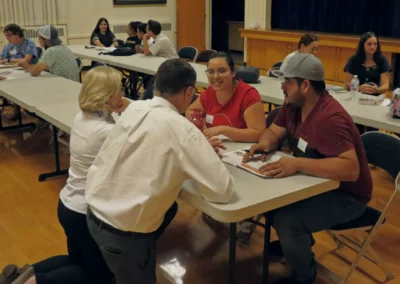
x=143, y=163
x=88, y=133
x=163, y=47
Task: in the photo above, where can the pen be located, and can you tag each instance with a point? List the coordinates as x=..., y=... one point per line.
x=257, y=152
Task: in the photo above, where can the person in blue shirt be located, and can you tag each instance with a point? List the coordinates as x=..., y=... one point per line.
x=19, y=48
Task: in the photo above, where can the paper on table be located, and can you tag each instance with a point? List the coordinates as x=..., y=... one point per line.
x=234, y=158
x=7, y=75
x=334, y=88
x=222, y=137
x=385, y=102
x=3, y=66
x=371, y=100
x=270, y=159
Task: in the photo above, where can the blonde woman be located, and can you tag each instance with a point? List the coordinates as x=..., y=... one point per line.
x=101, y=94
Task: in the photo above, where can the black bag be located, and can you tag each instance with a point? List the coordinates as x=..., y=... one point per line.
x=248, y=74
x=120, y=51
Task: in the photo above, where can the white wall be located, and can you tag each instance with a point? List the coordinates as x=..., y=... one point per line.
x=257, y=15
x=82, y=16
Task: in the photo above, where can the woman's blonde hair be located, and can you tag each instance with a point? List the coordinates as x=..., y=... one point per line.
x=99, y=85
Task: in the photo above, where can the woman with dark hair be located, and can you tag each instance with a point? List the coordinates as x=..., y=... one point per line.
x=308, y=43
x=370, y=65
x=232, y=107
x=18, y=48
x=131, y=30
x=102, y=35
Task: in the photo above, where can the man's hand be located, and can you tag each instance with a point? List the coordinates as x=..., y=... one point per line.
x=283, y=168
x=217, y=144
x=145, y=37
x=253, y=149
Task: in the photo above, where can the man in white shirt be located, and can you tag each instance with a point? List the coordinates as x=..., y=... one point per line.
x=137, y=176
x=162, y=45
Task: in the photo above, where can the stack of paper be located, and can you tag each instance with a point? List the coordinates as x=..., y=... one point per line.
x=371, y=100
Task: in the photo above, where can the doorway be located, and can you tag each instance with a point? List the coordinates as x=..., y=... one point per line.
x=225, y=25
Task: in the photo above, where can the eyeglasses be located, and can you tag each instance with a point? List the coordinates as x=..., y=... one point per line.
x=194, y=89
x=219, y=71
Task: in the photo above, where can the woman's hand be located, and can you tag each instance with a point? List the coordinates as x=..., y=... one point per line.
x=121, y=106
x=214, y=131
x=369, y=89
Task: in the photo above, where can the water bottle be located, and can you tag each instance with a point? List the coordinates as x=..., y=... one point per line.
x=355, y=83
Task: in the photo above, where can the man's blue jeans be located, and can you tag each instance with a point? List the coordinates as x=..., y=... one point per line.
x=296, y=222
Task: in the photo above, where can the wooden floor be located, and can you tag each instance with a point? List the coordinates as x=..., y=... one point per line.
x=191, y=251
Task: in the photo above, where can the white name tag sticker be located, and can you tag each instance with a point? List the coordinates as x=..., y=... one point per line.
x=13, y=51
x=209, y=119
x=302, y=145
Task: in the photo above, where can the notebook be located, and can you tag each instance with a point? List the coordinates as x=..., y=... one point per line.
x=235, y=158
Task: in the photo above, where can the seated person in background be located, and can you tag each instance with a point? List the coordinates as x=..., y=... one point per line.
x=141, y=31
x=232, y=107
x=100, y=95
x=57, y=58
x=132, y=41
x=162, y=45
x=326, y=144
x=370, y=65
x=102, y=35
x=18, y=47
x=131, y=199
x=308, y=44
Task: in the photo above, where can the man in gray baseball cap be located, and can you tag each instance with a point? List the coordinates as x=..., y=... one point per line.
x=325, y=143
x=50, y=34
x=57, y=58
x=301, y=67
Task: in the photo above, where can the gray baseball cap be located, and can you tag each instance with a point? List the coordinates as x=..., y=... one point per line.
x=304, y=66
x=50, y=33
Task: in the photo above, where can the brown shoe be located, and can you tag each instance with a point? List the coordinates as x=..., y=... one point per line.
x=24, y=274
x=9, y=273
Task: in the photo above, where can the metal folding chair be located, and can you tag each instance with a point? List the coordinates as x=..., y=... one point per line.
x=383, y=151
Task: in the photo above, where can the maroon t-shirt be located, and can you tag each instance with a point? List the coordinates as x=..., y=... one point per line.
x=329, y=132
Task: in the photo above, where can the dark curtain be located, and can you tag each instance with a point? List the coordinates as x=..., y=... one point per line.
x=338, y=16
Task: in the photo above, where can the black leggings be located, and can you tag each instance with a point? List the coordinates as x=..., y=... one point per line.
x=84, y=262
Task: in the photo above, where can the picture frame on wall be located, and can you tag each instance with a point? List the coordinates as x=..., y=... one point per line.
x=133, y=2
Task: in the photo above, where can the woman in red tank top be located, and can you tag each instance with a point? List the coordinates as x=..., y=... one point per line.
x=231, y=107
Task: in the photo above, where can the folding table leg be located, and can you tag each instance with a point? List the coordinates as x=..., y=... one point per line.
x=133, y=79
x=232, y=253
x=58, y=171
x=267, y=239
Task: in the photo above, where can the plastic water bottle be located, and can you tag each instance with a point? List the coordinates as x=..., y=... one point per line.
x=354, y=84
